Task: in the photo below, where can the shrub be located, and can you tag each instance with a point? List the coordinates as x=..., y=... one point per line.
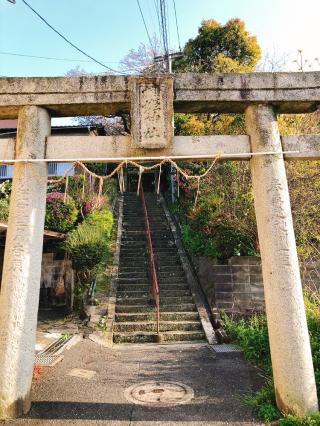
x=5, y=192
x=223, y=219
x=87, y=246
x=60, y=216
x=88, y=249
x=313, y=420
x=198, y=243
x=252, y=336
x=5, y=189
x=102, y=219
x=4, y=209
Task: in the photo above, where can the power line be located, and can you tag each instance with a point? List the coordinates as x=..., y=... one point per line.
x=67, y=40
x=164, y=31
x=51, y=58
x=177, y=25
x=144, y=23
x=156, y=5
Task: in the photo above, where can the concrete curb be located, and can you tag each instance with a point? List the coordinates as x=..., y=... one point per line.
x=191, y=279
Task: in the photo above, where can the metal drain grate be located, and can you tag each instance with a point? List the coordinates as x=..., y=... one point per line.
x=226, y=348
x=159, y=394
x=51, y=354
x=46, y=360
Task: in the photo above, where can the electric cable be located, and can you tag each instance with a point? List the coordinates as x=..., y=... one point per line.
x=50, y=57
x=177, y=25
x=66, y=39
x=145, y=25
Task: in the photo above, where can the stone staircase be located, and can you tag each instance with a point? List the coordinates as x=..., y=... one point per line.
x=135, y=312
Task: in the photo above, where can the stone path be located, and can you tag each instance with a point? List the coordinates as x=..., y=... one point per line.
x=217, y=381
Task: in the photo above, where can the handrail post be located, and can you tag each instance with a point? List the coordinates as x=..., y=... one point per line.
x=151, y=261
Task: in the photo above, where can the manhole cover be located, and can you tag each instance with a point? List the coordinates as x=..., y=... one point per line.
x=159, y=393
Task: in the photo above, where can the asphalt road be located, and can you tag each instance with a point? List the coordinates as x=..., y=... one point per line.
x=218, y=381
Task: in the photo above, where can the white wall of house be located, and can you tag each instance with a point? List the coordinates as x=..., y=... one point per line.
x=54, y=169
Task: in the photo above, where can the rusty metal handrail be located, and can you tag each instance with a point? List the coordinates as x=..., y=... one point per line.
x=152, y=266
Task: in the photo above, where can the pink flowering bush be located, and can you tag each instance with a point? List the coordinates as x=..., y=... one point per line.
x=60, y=216
x=94, y=203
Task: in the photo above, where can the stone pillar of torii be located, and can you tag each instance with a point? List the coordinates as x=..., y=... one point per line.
x=153, y=100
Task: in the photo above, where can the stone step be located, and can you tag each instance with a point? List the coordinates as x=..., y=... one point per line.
x=171, y=280
x=166, y=251
x=132, y=263
x=129, y=244
x=164, y=316
x=132, y=280
x=125, y=249
x=133, y=268
x=124, y=327
x=142, y=274
x=149, y=337
x=169, y=268
x=164, y=259
x=147, y=286
x=177, y=273
x=133, y=252
x=144, y=293
x=136, y=256
x=168, y=262
x=142, y=233
x=160, y=238
x=183, y=307
x=171, y=300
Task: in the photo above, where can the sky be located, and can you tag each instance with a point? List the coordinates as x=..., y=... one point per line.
x=107, y=30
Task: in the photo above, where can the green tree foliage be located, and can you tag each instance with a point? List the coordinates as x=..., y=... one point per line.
x=222, y=223
x=228, y=227
x=220, y=48
x=304, y=187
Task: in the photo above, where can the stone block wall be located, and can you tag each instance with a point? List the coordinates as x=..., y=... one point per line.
x=238, y=286
x=310, y=275
x=235, y=287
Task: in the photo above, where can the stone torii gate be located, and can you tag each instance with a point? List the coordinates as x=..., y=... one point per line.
x=152, y=101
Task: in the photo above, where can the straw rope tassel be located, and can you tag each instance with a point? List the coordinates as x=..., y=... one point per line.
x=198, y=191
x=83, y=185
x=119, y=180
x=178, y=184
x=141, y=169
x=100, y=189
x=159, y=178
x=66, y=189
x=122, y=179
